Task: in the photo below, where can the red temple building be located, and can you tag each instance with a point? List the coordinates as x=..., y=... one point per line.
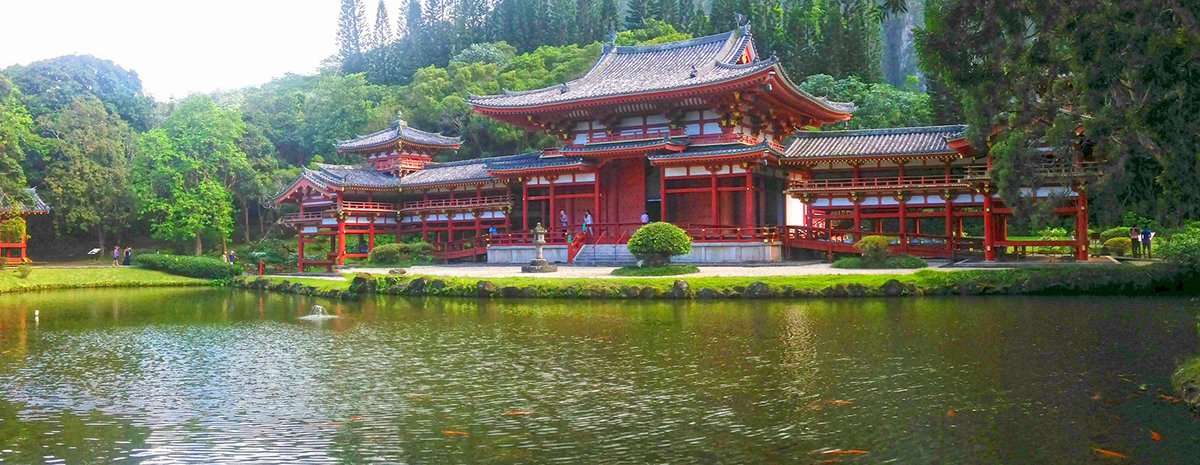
x=13, y=246
x=702, y=133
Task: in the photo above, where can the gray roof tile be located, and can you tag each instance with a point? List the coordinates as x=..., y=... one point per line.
x=398, y=131
x=30, y=203
x=648, y=68
x=869, y=142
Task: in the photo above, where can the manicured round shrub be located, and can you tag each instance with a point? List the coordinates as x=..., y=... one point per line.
x=184, y=265
x=1119, y=231
x=656, y=243
x=1118, y=245
x=396, y=254
x=1182, y=248
x=874, y=248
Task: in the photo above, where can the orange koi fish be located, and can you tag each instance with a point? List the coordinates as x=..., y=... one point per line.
x=455, y=433
x=1154, y=436
x=950, y=413
x=1109, y=453
x=517, y=413
x=845, y=452
x=842, y=402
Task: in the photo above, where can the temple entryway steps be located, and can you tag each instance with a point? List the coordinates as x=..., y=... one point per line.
x=605, y=254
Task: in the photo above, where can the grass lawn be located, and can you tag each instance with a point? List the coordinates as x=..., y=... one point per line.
x=66, y=278
x=665, y=270
x=322, y=284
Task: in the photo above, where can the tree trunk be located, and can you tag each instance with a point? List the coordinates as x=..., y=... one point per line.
x=262, y=227
x=100, y=238
x=246, y=217
x=199, y=246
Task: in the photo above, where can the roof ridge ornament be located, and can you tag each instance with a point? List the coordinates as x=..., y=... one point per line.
x=400, y=123
x=562, y=88
x=694, y=71
x=612, y=37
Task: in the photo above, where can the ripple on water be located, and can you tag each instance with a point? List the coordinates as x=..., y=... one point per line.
x=215, y=379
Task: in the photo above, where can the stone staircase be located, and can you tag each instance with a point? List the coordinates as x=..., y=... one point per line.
x=605, y=254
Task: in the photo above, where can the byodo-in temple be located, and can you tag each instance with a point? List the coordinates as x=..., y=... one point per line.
x=702, y=133
x=14, y=209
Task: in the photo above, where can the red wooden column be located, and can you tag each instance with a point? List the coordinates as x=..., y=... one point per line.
x=857, y=199
x=662, y=193
x=476, y=213
x=1081, y=224
x=300, y=238
x=902, y=199
x=989, y=226
x=748, y=208
x=524, y=204
x=341, y=239
x=371, y=233
x=425, y=227
x=712, y=170
x=949, y=206
x=595, y=199
x=552, y=217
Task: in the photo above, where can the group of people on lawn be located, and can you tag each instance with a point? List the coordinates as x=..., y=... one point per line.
x=117, y=256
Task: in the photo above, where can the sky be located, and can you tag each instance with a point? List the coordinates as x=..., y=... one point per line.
x=178, y=47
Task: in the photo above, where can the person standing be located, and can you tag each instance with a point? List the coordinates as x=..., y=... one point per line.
x=1135, y=241
x=562, y=219
x=233, y=257
x=128, y=256
x=645, y=218
x=116, y=255
x=587, y=220
x=1147, y=236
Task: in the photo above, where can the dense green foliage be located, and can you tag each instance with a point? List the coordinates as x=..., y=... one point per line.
x=1119, y=231
x=1182, y=248
x=874, y=249
x=898, y=261
x=403, y=253
x=193, y=267
x=657, y=242
x=665, y=270
x=1118, y=245
x=1122, y=71
x=17, y=139
x=54, y=84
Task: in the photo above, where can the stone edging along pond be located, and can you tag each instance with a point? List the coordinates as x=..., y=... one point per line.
x=1057, y=280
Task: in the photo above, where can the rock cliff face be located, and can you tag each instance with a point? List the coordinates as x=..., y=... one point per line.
x=899, y=46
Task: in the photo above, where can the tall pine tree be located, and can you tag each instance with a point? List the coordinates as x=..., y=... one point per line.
x=351, y=43
x=382, y=34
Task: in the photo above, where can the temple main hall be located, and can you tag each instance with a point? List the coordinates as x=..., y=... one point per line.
x=702, y=133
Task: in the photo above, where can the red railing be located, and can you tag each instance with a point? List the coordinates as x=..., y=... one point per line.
x=306, y=217
x=723, y=233
x=467, y=202
x=607, y=138
x=402, y=164
x=369, y=206
x=575, y=245
x=877, y=183
x=842, y=241
x=461, y=248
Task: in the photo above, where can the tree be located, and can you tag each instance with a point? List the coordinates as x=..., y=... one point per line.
x=17, y=139
x=879, y=105
x=1030, y=74
x=338, y=108
x=382, y=34
x=350, y=36
x=184, y=171
x=636, y=13
x=87, y=175
x=54, y=84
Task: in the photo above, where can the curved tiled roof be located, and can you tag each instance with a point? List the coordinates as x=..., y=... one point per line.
x=878, y=142
x=480, y=169
x=29, y=202
x=362, y=176
x=640, y=144
x=715, y=151
x=640, y=69
x=399, y=132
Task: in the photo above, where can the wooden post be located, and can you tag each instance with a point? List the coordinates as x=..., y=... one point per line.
x=553, y=215
x=903, y=221
x=341, y=238
x=989, y=226
x=1081, y=224
x=595, y=199
x=713, y=195
x=748, y=213
x=857, y=217
x=524, y=204
x=662, y=194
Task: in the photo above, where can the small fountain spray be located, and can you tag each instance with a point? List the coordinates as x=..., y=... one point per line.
x=317, y=313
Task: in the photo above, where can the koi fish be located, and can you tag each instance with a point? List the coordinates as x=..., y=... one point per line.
x=1170, y=399
x=335, y=424
x=950, y=413
x=1154, y=436
x=517, y=413
x=1109, y=453
x=455, y=433
x=842, y=402
x=356, y=418
x=1096, y=397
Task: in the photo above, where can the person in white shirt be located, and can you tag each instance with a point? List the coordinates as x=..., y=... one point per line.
x=587, y=220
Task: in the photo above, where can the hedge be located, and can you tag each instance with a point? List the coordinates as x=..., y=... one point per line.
x=184, y=265
x=1119, y=231
x=400, y=254
x=657, y=242
x=1118, y=246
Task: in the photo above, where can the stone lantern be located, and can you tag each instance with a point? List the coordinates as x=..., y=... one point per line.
x=539, y=263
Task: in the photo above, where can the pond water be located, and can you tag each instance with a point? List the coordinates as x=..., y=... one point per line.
x=230, y=376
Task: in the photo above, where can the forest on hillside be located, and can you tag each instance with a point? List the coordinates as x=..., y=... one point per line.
x=113, y=163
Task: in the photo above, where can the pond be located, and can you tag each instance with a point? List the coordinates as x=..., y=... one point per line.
x=231, y=376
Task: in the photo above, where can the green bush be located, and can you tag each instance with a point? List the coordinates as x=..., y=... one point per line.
x=24, y=270
x=902, y=261
x=1118, y=245
x=874, y=248
x=271, y=251
x=183, y=265
x=1182, y=248
x=400, y=254
x=666, y=270
x=1119, y=231
x=657, y=242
